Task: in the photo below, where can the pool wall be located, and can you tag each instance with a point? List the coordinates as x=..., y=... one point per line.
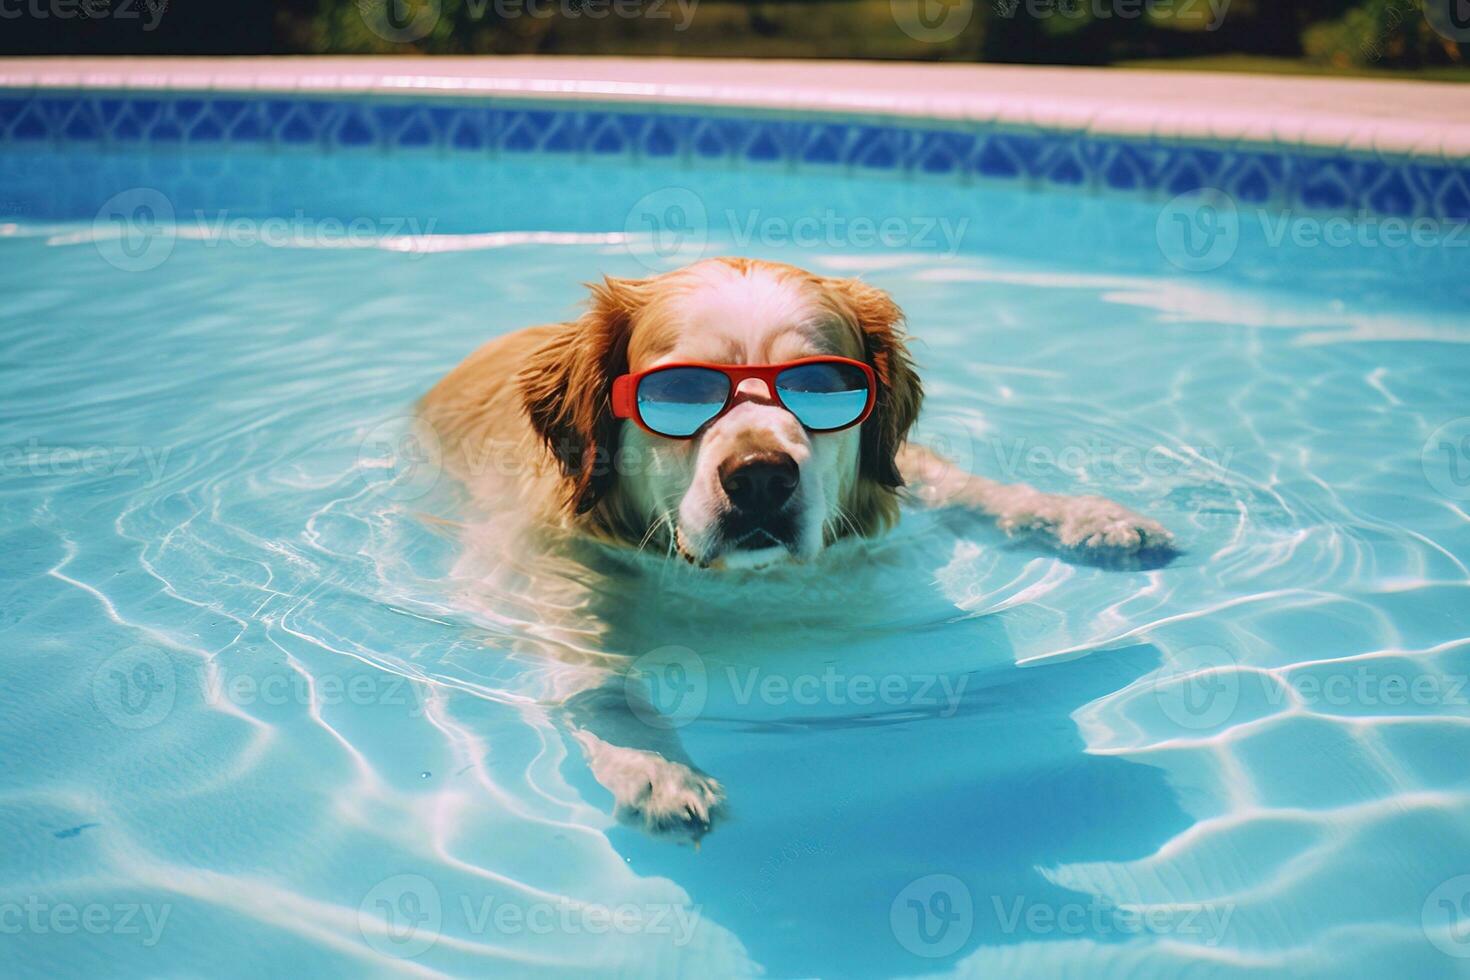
x=1381, y=158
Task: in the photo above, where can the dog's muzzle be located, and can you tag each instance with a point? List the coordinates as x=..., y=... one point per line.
x=760, y=487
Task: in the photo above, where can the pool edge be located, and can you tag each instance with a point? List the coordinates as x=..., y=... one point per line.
x=1427, y=121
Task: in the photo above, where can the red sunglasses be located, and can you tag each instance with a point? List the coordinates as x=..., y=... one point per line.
x=826, y=394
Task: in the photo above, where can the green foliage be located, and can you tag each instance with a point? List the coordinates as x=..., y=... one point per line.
x=732, y=28
x=1337, y=34
x=1393, y=33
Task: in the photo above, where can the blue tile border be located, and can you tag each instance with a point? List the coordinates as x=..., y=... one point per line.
x=1255, y=173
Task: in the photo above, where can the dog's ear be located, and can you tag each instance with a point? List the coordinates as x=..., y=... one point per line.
x=899, y=392
x=566, y=385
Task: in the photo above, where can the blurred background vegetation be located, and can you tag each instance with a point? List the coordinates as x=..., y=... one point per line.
x=1377, y=37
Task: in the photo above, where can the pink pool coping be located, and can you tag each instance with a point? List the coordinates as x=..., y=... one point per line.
x=1388, y=117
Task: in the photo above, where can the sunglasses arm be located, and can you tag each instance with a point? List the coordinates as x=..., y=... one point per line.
x=624, y=400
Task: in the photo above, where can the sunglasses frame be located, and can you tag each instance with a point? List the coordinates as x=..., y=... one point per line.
x=625, y=389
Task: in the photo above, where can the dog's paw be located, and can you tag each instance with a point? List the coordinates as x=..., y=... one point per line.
x=1099, y=524
x=649, y=791
x=673, y=799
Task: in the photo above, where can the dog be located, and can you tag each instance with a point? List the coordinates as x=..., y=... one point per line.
x=785, y=433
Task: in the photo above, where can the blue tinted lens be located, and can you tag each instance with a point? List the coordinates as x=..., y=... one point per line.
x=677, y=401
x=824, y=396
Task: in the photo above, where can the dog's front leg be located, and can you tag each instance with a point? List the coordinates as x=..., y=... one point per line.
x=1087, y=523
x=641, y=761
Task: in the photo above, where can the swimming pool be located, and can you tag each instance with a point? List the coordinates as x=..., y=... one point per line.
x=262, y=713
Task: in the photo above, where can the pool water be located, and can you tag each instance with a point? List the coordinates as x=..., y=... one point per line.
x=265, y=709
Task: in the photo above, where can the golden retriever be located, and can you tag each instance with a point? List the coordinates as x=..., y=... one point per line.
x=528, y=422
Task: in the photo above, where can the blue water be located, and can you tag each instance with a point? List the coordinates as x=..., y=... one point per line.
x=264, y=710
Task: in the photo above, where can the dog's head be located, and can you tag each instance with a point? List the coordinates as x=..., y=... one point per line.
x=753, y=486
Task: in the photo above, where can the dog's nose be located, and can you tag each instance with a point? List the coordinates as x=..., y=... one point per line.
x=759, y=482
